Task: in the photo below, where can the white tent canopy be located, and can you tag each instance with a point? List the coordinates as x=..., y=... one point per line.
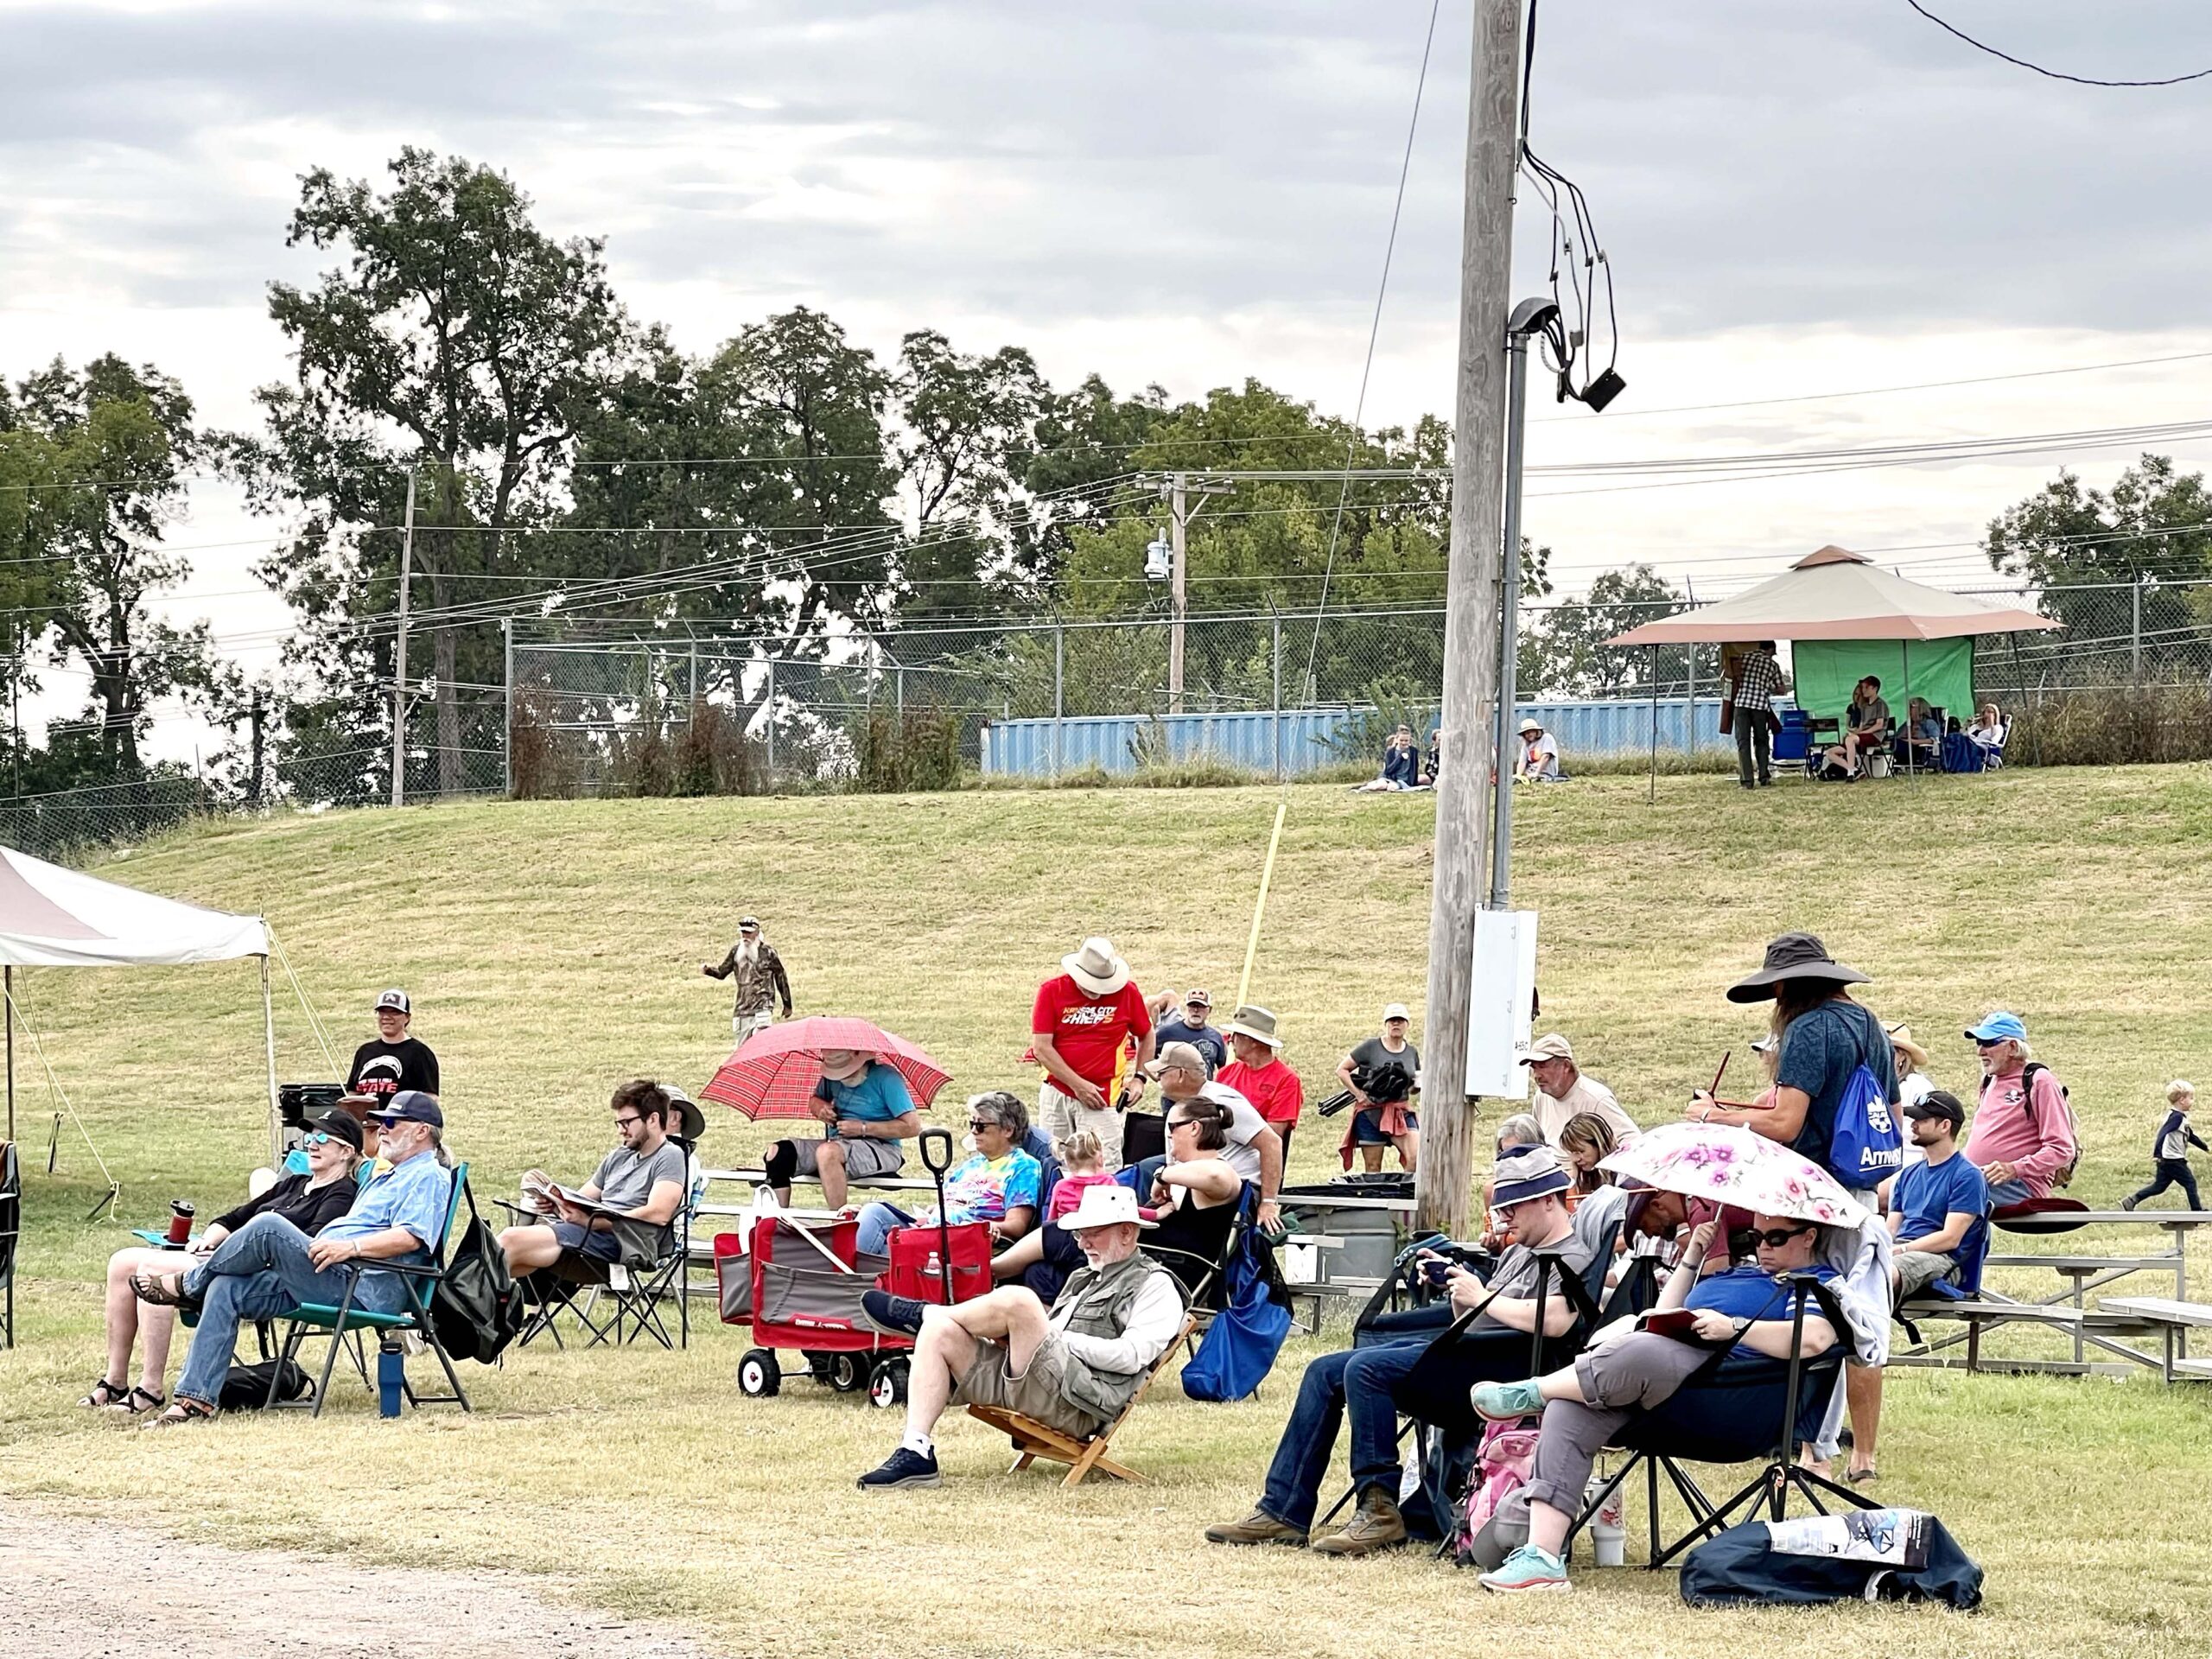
x=1835, y=594
x=53, y=918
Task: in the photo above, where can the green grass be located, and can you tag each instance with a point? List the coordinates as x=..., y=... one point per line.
x=553, y=948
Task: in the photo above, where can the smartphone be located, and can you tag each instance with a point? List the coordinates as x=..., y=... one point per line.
x=1434, y=1270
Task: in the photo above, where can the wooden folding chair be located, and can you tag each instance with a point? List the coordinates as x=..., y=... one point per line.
x=1032, y=1439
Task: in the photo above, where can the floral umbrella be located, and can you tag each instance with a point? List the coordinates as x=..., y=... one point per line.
x=773, y=1073
x=1732, y=1165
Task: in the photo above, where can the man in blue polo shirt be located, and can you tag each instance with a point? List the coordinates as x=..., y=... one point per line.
x=269, y=1267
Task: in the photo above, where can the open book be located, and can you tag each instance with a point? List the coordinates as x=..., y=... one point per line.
x=537, y=1189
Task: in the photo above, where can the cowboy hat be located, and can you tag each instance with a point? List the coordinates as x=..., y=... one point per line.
x=1529, y=725
x=1096, y=968
x=684, y=1113
x=1257, y=1023
x=1793, y=956
x=1104, y=1206
x=1901, y=1038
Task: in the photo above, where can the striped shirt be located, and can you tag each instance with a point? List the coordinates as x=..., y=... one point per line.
x=1758, y=676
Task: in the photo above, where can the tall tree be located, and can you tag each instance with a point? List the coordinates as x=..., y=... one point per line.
x=455, y=341
x=2153, y=529
x=1566, y=653
x=98, y=458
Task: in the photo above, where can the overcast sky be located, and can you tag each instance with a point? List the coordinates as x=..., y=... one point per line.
x=1796, y=199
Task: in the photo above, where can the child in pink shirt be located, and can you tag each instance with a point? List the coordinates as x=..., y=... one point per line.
x=1083, y=1163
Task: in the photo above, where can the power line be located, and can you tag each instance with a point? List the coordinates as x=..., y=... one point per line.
x=2055, y=75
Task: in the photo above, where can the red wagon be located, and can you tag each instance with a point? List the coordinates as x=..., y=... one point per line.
x=798, y=1282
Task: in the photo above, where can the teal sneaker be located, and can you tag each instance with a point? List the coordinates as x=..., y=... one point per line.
x=1503, y=1401
x=1528, y=1568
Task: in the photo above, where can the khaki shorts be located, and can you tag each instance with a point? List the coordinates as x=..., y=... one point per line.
x=1036, y=1392
x=1917, y=1269
x=864, y=1159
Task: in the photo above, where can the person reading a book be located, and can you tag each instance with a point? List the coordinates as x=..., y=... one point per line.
x=622, y=1213
x=1635, y=1364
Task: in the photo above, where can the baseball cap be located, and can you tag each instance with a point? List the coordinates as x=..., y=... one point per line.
x=1395, y=1011
x=1938, y=1102
x=1184, y=1056
x=1549, y=1046
x=342, y=1125
x=2000, y=1027
x=411, y=1106
x=395, y=998
x=1202, y=999
x=748, y=924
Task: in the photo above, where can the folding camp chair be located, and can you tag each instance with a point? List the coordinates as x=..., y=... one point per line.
x=1736, y=1409
x=576, y=1283
x=11, y=1231
x=412, y=1315
x=1087, y=1456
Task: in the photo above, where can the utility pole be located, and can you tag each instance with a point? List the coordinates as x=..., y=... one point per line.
x=1445, y=1178
x=1176, y=592
x=256, y=749
x=399, y=658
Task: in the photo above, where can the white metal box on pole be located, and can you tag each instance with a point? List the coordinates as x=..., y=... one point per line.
x=1501, y=1014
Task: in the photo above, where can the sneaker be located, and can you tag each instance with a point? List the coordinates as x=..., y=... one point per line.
x=1528, y=1568
x=2128, y=1203
x=1377, y=1526
x=896, y=1315
x=905, y=1467
x=1503, y=1401
x=1257, y=1528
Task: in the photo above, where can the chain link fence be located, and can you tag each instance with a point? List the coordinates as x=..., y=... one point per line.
x=702, y=711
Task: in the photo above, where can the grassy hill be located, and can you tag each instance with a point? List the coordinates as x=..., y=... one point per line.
x=553, y=950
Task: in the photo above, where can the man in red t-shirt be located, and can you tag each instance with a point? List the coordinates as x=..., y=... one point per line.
x=1259, y=1074
x=1080, y=1031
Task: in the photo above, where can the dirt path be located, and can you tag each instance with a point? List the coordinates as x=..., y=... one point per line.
x=87, y=1589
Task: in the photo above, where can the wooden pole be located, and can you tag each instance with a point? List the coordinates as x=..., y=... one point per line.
x=269, y=1050
x=8, y=975
x=1445, y=1179
x=1260, y=906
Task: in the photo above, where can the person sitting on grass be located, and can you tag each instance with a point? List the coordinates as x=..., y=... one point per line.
x=864, y=1103
x=2170, y=1149
x=269, y=1267
x=1626, y=1368
x=1359, y=1386
x=1400, y=763
x=323, y=1194
x=643, y=1178
x=1073, y=1367
x=998, y=1183
x=1537, y=762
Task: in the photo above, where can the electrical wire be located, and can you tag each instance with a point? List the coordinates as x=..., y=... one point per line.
x=2054, y=74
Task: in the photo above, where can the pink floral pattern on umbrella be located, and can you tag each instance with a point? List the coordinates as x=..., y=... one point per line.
x=774, y=1072
x=1732, y=1165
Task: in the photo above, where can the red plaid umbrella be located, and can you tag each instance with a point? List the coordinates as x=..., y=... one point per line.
x=773, y=1073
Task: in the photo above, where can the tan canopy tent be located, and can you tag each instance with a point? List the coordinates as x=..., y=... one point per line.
x=1831, y=595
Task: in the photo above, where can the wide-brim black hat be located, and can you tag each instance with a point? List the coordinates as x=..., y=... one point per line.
x=1794, y=956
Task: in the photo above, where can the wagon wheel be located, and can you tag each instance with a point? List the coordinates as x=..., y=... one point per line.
x=759, y=1374
x=847, y=1373
x=887, y=1385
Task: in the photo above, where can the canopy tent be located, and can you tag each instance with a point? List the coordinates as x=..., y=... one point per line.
x=1845, y=616
x=53, y=918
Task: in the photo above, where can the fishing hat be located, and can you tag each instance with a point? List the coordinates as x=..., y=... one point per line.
x=1793, y=956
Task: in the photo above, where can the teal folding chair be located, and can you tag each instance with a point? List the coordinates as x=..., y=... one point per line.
x=345, y=1319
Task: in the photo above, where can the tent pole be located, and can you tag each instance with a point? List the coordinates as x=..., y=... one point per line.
x=7, y=977
x=1911, y=754
x=269, y=1047
x=1655, y=726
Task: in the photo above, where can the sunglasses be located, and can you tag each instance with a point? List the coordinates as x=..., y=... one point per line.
x=1183, y=1123
x=1988, y=1042
x=323, y=1138
x=977, y=1125
x=1774, y=1237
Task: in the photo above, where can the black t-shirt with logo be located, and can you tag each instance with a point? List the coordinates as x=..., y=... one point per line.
x=384, y=1069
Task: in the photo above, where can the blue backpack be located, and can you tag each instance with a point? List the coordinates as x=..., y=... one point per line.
x=1866, y=1146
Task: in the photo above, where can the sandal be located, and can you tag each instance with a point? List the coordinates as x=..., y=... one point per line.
x=163, y=1290
x=183, y=1409
x=1866, y=1476
x=105, y=1394
x=139, y=1401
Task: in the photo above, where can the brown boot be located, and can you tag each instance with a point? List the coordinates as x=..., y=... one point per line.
x=1377, y=1526
x=1257, y=1528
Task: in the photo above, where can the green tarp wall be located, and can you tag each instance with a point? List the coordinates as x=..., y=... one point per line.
x=1941, y=670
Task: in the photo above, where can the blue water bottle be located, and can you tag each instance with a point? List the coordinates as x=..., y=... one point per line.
x=391, y=1375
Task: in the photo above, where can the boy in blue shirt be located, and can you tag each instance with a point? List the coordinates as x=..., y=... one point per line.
x=2170, y=1150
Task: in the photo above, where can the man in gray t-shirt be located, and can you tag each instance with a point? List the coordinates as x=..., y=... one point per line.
x=635, y=1193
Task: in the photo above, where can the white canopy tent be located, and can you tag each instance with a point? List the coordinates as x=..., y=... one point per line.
x=54, y=917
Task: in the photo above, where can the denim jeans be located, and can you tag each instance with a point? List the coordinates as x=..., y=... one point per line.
x=878, y=1221
x=262, y=1271
x=1356, y=1383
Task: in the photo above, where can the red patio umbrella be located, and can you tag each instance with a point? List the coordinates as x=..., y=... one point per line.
x=773, y=1073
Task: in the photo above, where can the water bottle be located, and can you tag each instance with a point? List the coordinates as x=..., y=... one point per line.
x=1608, y=1536
x=391, y=1375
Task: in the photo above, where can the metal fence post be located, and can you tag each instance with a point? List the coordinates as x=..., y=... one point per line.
x=507, y=732
x=1278, y=671
x=1060, y=694
x=2135, y=629
x=901, y=690
x=768, y=704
